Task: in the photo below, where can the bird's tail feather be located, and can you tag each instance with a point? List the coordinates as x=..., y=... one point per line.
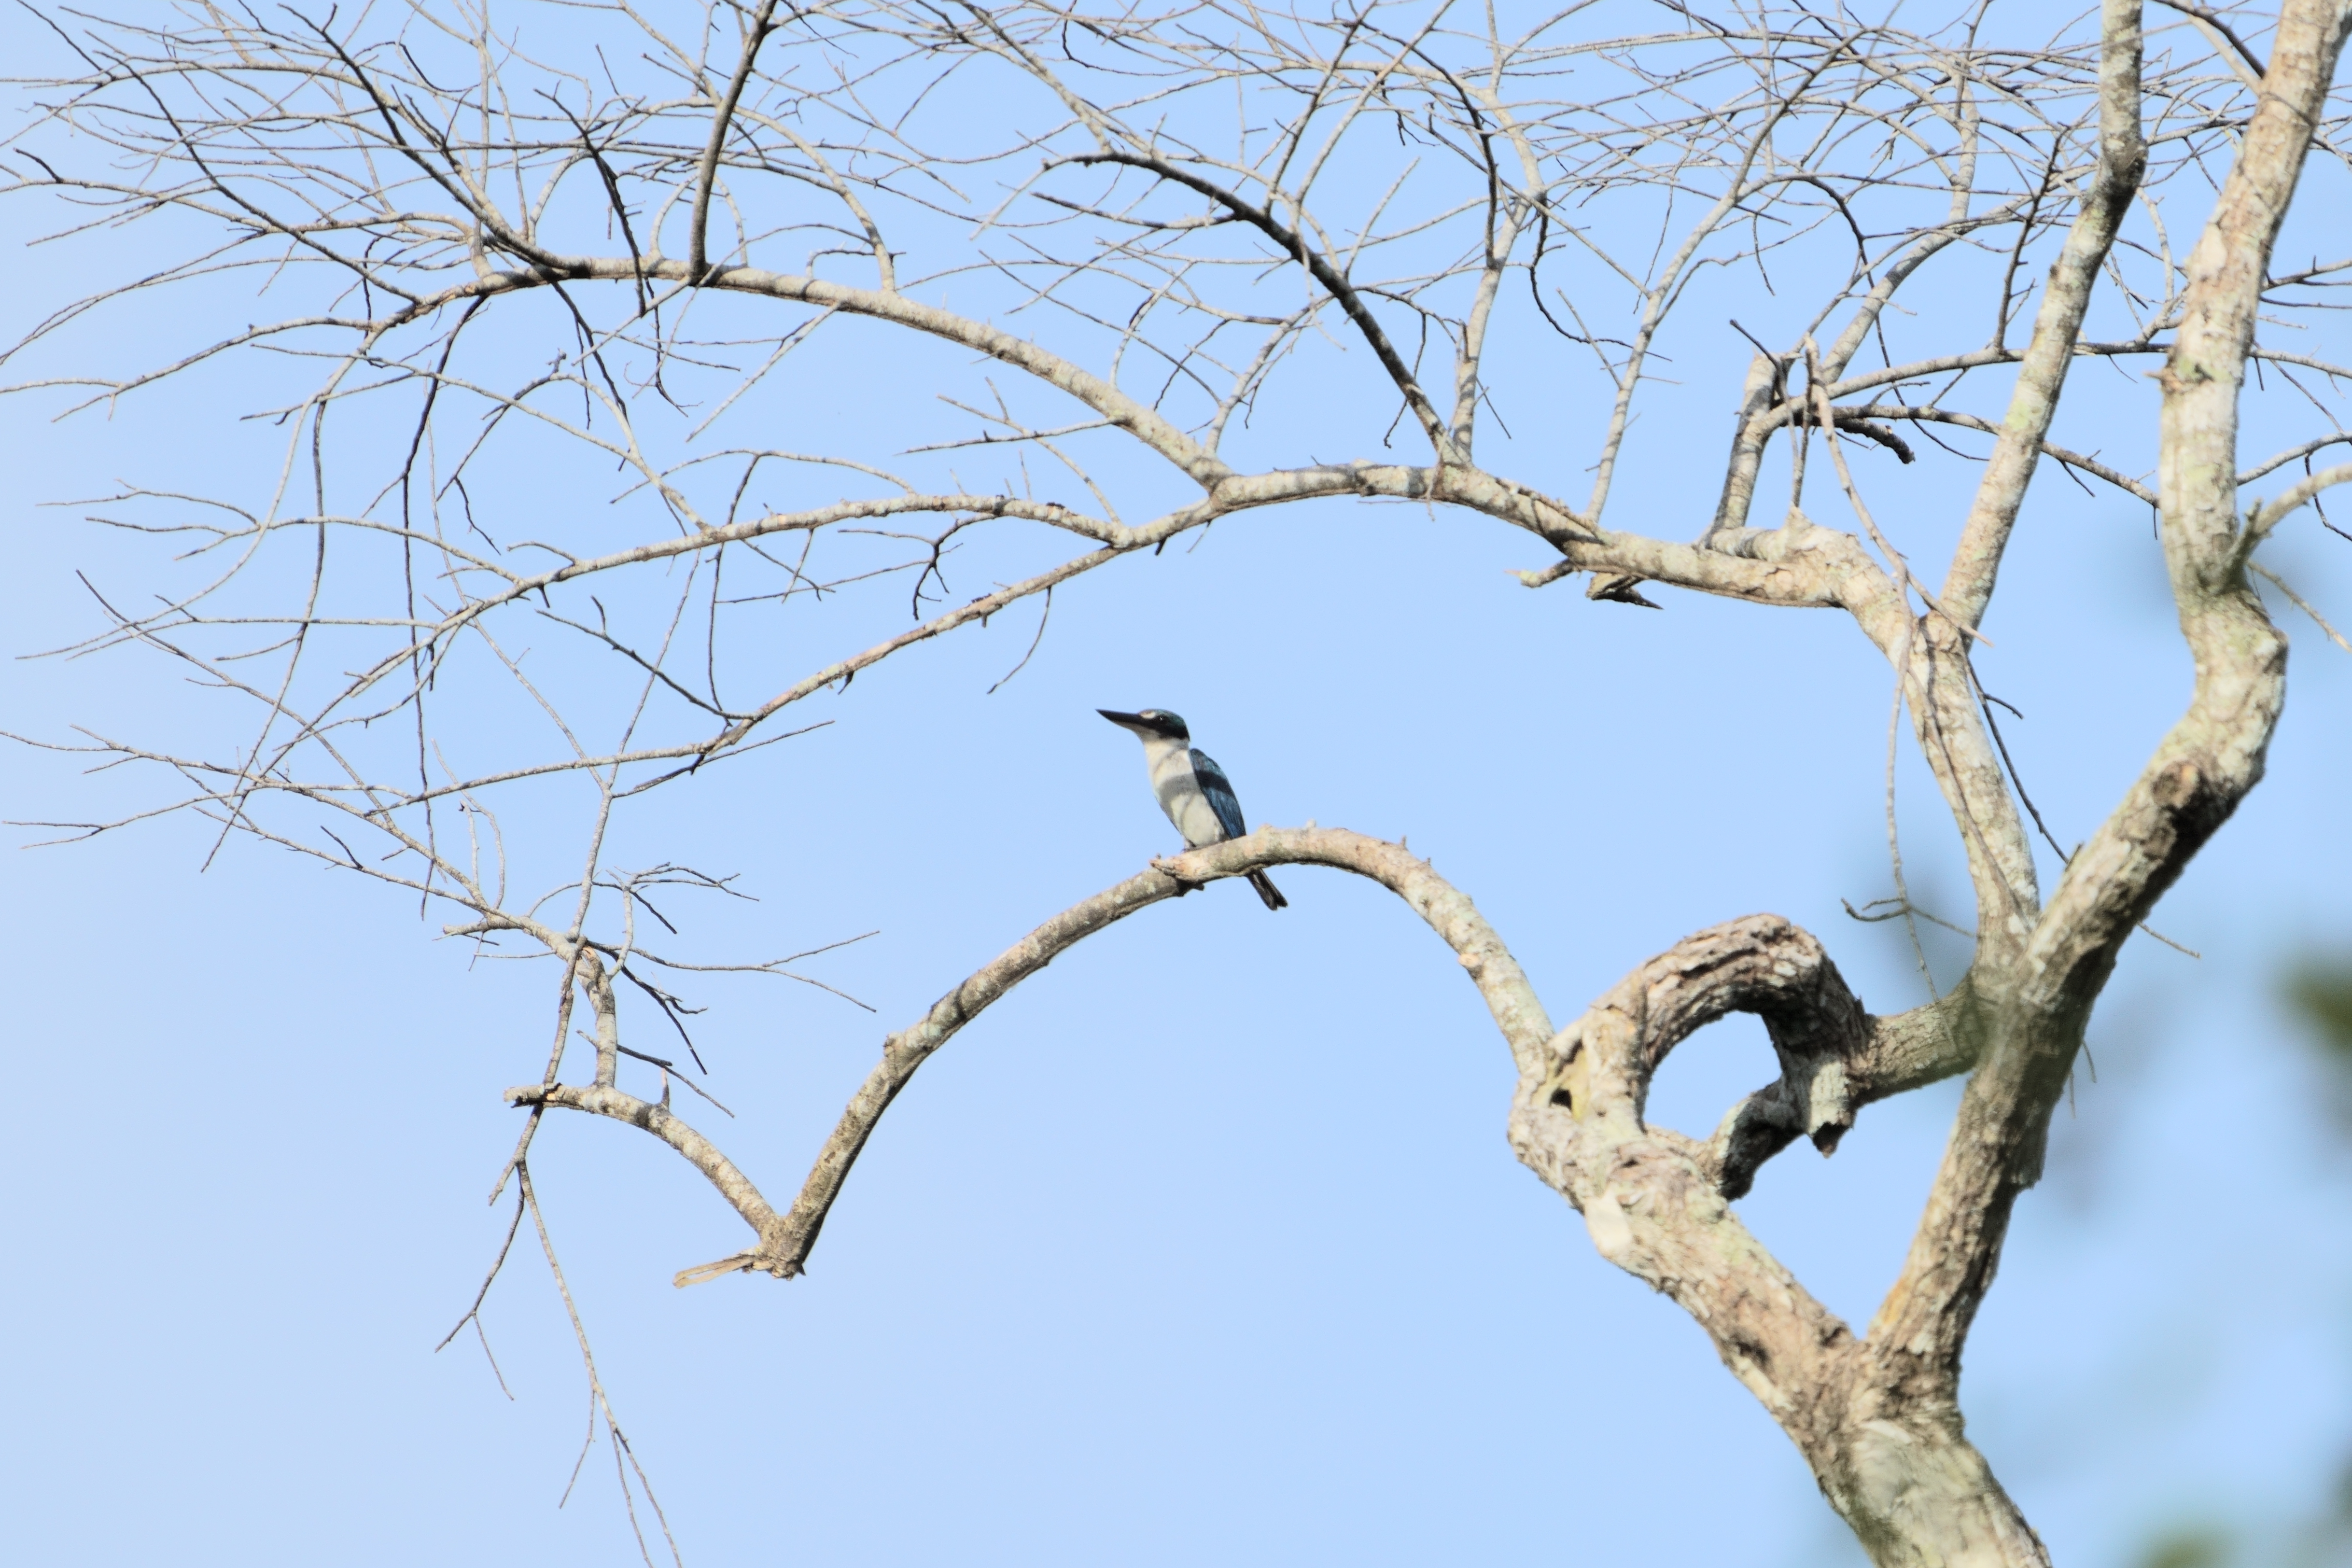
x=1268, y=891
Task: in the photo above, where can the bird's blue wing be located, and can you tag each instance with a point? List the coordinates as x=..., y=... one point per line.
x=1219, y=792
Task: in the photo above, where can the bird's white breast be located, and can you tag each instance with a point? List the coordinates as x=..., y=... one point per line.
x=1179, y=792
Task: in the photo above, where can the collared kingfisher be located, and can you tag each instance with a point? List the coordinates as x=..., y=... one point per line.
x=1192, y=789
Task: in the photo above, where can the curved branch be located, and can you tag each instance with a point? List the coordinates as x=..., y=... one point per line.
x=1821, y=568
x=2269, y=515
x=1147, y=424
x=603, y=1099
x=1835, y=1057
x=784, y=1244
x=2214, y=25
x=2277, y=460
x=1334, y=282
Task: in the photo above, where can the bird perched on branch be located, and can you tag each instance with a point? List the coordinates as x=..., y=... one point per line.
x=1192, y=790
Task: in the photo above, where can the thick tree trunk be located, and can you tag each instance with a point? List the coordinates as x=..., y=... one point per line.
x=1918, y=1495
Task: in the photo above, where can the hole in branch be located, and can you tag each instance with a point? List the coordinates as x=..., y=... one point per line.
x=1709, y=1073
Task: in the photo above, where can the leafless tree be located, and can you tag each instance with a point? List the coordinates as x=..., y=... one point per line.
x=582, y=234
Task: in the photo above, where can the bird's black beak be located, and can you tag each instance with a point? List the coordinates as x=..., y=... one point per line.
x=1126, y=720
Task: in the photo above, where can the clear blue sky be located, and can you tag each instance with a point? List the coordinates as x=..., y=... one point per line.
x=1204, y=1245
